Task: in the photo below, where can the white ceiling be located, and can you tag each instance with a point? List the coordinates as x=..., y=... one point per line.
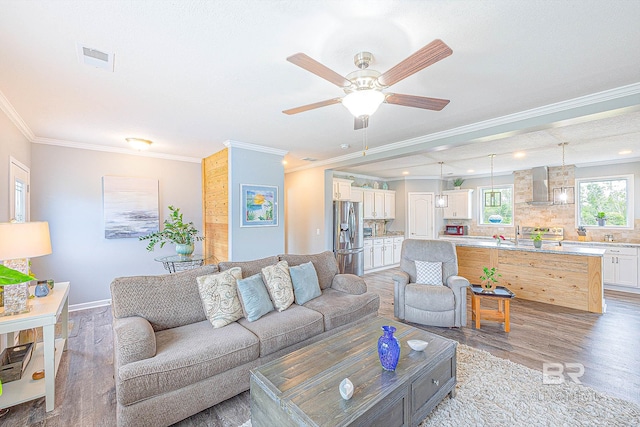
x=190, y=75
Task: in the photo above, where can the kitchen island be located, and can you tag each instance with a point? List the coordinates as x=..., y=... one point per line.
x=567, y=276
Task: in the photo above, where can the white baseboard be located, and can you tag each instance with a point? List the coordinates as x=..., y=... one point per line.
x=88, y=305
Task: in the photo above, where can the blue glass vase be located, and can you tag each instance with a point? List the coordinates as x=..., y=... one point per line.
x=388, y=348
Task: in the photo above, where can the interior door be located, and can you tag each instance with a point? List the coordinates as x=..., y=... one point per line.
x=420, y=212
x=19, y=182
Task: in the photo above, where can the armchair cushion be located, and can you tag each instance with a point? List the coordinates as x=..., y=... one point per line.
x=429, y=298
x=429, y=273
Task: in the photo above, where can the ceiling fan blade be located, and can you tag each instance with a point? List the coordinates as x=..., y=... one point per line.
x=312, y=106
x=361, y=123
x=435, y=104
x=428, y=55
x=313, y=66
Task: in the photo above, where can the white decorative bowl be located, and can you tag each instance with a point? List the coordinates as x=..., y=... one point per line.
x=346, y=389
x=417, y=345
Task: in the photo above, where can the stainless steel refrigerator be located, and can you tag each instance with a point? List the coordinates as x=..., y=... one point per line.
x=348, y=240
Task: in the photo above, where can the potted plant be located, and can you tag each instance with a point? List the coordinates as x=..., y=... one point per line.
x=176, y=231
x=601, y=217
x=15, y=285
x=457, y=183
x=489, y=279
x=537, y=239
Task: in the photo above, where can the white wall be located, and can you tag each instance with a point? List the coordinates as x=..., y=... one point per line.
x=257, y=168
x=67, y=191
x=12, y=144
x=305, y=212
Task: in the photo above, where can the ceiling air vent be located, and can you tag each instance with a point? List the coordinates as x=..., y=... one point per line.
x=95, y=57
x=309, y=159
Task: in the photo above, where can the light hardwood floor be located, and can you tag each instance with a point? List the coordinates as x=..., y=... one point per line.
x=607, y=345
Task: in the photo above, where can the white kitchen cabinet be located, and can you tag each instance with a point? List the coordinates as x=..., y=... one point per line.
x=620, y=266
x=387, y=251
x=389, y=204
x=459, y=204
x=368, y=254
x=357, y=195
x=397, y=249
x=378, y=253
x=379, y=204
x=341, y=189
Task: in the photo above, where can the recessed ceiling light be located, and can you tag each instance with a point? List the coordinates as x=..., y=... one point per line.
x=519, y=154
x=139, y=144
x=344, y=146
x=284, y=162
x=470, y=171
x=405, y=173
x=623, y=152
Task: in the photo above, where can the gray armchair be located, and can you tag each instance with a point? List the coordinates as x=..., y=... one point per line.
x=427, y=304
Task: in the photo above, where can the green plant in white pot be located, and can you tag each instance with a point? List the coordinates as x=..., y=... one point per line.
x=182, y=234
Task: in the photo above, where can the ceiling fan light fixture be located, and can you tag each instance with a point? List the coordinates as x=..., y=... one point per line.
x=363, y=102
x=139, y=144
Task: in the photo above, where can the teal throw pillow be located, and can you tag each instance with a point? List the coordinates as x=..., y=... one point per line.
x=255, y=298
x=305, y=282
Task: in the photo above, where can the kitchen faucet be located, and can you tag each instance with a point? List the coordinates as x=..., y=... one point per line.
x=517, y=234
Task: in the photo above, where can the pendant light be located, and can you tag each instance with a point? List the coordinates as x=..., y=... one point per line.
x=442, y=200
x=492, y=198
x=563, y=195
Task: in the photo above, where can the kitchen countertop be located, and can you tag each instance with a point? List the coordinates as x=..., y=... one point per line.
x=390, y=234
x=483, y=242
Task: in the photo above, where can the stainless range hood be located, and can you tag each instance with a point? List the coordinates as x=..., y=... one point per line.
x=540, y=178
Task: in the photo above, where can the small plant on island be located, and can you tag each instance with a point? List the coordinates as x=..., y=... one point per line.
x=489, y=278
x=175, y=231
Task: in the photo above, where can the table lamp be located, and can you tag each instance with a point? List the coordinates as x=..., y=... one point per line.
x=18, y=242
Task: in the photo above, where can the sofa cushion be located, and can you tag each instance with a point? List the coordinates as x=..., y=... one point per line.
x=429, y=273
x=166, y=301
x=249, y=268
x=429, y=298
x=254, y=297
x=305, y=282
x=279, y=285
x=219, y=293
x=278, y=330
x=184, y=356
x=339, y=308
x=325, y=264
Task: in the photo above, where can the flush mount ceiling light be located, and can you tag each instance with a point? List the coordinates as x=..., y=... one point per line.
x=442, y=201
x=563, y=195
x=139, y=144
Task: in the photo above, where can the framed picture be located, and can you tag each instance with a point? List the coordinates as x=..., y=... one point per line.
x=259, y=205
x=130, y=206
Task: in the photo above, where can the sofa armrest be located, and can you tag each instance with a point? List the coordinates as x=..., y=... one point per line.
x=349, y=283
x=133, y=340
x=458, y=285
x=400, y=281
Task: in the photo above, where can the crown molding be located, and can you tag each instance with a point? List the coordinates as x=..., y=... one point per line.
x=118, y=150
x=245, y=145
x=15, y=118
x=558, y=107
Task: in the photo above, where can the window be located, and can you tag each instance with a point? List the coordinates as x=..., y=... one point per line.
x=611, y=195
x=502, y=214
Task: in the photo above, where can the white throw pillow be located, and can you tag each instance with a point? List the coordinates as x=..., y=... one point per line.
x=278, y=281
x=219, y=296
x=429, y=273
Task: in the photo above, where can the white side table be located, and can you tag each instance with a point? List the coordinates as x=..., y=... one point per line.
x=44, y=312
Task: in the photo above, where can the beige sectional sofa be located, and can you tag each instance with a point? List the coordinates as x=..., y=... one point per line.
x=171, y=363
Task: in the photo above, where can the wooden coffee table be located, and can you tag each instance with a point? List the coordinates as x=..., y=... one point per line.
x=301, y=388
x=502, y=295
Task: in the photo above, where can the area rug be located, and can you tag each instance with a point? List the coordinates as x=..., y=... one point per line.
x=497, y=392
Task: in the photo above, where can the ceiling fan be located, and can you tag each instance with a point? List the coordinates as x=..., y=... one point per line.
x=364, y=87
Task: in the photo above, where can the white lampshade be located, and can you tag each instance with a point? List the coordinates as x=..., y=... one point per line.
x=24, y=240
x=363, y=102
